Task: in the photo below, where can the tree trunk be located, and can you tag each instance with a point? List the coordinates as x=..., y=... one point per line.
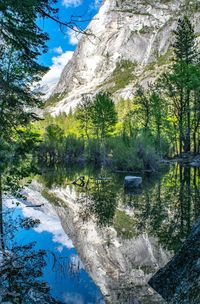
x=1, y=218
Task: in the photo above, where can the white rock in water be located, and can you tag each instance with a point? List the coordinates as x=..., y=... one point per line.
x=132, y=181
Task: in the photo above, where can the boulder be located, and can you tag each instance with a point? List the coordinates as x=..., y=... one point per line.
x=132, y=182
x=179, y=281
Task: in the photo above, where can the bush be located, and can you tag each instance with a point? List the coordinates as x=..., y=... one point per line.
x=146, y=153
x=123, y=156
x=92, y=151
x=73, y=147
x=138, y=154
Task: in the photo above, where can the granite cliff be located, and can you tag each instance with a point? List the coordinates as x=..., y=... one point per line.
x=129, y=43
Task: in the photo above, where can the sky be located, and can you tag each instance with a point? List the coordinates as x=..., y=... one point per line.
x=63, y=42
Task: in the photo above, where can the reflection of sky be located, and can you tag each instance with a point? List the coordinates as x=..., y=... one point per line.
x=64, y=272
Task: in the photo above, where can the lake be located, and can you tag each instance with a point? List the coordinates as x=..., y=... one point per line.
x=98, y=243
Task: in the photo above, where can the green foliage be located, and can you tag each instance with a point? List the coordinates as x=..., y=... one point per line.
x=54, y=133
x=21, y=42
x=103, y=115
x=146, y=29
x=184, y=46
x=53, y=100
x=83, y=115
x=181, y=87
x=122, y=75
x=74, y=147
x=132, y=135
x=138, y=154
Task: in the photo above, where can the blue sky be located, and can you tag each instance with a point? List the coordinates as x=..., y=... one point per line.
x=62, y=42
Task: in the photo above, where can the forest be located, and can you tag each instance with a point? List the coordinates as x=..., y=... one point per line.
x=161, y=121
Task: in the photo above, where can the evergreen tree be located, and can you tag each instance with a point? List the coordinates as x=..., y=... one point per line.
x=21, y=42
x=179, y=82
x=185, y=46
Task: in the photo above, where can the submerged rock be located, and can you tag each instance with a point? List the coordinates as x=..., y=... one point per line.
x=196, y=162
x=179, y=280
x=132, y=181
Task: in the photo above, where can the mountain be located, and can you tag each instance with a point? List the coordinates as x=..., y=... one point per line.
x=129, y=43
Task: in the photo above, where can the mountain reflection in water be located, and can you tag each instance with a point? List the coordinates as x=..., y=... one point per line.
x=121, y=238
x=41, y=264
x=127, y=236
x=165, y=207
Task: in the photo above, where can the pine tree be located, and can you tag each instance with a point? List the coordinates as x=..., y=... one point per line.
x=179, y=82
x=186, y=55
x=21, y=42
x=185, y=46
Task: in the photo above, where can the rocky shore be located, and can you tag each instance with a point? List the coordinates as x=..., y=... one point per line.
x=179, y=281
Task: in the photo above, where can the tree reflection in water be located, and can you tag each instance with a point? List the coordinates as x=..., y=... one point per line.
x=168, y=208
x=21, y=267
x=165, y=208
x=100, y=202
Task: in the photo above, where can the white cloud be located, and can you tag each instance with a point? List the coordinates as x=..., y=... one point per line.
x=74, y=3
x=49, y=220
x=74, y=37
x=58, y=50
x=95, y=4
x=73, y=298
x=56, y=69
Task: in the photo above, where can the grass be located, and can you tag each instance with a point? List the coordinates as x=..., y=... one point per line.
x=122, y=75
x=54, y=99
x=160, y=60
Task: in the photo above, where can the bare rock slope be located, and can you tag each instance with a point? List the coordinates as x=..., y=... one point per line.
x=129, y=41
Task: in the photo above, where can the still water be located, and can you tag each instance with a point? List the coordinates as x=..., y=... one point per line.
x=95, y=242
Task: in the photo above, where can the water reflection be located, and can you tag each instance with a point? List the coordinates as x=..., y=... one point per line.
x=22, y=266
x=100, y=201
x=124, y=238
x=165, y=207
x=39, y=263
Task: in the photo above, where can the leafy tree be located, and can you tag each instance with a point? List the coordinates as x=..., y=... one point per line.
x=144, y=108
x=83, y=114
x=103, y=117
x=53, y=138
x=54, y=133
x=158, y=110
x=180, y=83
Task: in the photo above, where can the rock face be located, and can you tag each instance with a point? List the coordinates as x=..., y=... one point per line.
x=127, y=32
x=179, y=281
